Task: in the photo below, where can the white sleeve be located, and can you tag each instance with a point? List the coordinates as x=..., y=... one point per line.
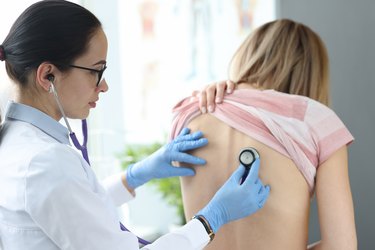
x=66, y=206
x=192, y=236
x=117, y=191
x=75, y=215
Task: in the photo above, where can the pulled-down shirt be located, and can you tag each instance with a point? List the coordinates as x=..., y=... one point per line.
x=298, y=127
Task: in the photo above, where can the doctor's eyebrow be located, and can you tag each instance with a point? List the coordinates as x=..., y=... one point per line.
x=100, y=62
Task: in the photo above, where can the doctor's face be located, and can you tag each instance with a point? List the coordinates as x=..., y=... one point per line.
x=82, y=84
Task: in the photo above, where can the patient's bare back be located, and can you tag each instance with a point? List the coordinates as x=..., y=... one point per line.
x=281, y=224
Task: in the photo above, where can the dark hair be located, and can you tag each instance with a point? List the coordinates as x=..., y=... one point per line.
x=55, y=31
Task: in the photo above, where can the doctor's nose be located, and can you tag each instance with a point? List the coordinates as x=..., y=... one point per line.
x=103, y=86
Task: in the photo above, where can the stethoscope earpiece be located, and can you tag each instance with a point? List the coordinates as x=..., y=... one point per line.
x=51, y=78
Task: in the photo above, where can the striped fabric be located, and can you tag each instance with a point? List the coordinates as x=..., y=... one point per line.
x=298, y=127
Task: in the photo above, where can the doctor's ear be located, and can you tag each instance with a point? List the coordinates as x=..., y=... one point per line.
x=45, y=75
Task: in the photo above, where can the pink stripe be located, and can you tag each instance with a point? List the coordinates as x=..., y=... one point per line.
x=295, y=126
x=335, y=141
x=278, y=103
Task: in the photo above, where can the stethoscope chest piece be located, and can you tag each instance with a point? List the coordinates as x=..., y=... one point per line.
x=247, y=156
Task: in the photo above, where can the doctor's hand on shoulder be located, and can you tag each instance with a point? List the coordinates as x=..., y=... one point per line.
x=159, y=164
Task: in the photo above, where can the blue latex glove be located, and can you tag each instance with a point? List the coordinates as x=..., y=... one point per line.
x=234, y=201
x=159, y=164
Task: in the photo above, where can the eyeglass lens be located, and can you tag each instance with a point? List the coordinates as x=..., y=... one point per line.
x=100, y=74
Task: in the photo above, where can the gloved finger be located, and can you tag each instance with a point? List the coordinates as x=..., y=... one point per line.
x=254, y=171
x=261, y=189
x=183, y=132
x=237, y=174
x=263, y=196
x=184, y=157
x=189, y=137
x=181, y=171
x=188, y=145
x=254, y=186
x=259, y=185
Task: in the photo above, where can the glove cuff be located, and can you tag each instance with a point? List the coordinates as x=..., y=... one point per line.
x=211, y=217
x=130, y=179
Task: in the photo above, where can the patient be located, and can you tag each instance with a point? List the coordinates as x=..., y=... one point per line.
x=279, y=108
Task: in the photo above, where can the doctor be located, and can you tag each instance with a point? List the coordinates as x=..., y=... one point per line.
x=50, y=198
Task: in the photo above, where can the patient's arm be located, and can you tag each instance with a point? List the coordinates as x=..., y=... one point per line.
x=335, y=205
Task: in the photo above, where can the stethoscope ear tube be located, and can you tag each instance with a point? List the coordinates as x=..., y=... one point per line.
x=247, y=157
x=73, y=137
x=83, y=147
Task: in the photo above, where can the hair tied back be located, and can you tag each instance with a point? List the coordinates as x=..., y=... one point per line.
x=2, y=53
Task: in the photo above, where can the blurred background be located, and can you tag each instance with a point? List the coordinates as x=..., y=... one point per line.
x=162, y=50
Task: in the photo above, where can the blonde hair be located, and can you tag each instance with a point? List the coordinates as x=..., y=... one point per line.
x=285, y=56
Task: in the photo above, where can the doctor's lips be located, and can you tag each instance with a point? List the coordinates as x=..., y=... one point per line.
x=92, y=104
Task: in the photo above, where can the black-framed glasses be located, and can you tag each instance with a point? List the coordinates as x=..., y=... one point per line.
x=99, y=72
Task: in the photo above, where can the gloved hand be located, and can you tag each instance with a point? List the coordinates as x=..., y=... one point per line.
x=159, y=164
x=234, y=201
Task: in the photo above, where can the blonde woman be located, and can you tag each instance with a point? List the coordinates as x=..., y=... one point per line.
x=280, y=108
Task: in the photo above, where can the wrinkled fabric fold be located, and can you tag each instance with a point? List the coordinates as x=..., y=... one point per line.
x=290, y=124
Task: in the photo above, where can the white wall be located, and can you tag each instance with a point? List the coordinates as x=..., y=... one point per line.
x=347, y=28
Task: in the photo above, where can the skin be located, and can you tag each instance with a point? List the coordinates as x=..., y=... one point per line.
x=76, y=88
x=283, y=222
x=335, y=204
x=212, y=94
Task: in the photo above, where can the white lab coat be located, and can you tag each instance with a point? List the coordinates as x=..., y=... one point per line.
x=51, y=199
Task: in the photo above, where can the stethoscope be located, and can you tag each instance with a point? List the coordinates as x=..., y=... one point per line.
x=82, y=147
x=247, y=157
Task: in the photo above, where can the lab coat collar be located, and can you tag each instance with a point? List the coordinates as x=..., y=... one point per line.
x=47, y=124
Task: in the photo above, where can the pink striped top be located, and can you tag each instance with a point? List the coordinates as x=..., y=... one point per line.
x=298, y=127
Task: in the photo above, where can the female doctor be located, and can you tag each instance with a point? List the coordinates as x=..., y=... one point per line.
x=50, y=198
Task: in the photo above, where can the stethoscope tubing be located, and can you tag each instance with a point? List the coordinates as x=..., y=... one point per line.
x=83, y=148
